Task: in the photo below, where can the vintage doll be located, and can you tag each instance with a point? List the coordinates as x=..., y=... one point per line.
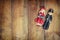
x=48, y=19
x=41, y=16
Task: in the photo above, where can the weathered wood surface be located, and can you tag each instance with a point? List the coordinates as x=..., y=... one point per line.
x=20, y=30
x=6, y=19
x=1, y=13
x=17, y=20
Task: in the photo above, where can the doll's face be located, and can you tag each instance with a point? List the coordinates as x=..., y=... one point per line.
x=42, y=11
x=50, y=13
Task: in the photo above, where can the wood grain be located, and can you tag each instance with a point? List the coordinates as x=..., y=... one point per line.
x=17, y=20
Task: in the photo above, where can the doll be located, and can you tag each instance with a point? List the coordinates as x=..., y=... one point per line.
x=48, y=19
x=41, y=16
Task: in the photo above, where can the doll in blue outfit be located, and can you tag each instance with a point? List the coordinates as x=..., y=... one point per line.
x=48, y=19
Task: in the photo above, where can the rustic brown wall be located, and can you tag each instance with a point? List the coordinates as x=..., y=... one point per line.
x=14, y=20
x=17, y=20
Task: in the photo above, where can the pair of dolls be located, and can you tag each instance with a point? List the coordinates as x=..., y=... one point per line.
x=44, y=20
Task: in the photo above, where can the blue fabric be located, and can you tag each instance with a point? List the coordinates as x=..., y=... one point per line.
x=47, y=21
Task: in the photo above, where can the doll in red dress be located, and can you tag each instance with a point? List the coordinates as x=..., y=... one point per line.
x=41, y=17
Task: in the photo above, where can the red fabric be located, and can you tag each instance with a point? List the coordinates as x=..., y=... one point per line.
x=39, y=20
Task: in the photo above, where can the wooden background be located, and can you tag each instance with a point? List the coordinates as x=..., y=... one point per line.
x=17, y=20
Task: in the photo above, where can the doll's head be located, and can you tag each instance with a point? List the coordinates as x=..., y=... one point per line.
x=50, y=11
x=42, y=10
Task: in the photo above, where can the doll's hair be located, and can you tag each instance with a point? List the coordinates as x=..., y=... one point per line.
x=51, y=10
x=42, y=7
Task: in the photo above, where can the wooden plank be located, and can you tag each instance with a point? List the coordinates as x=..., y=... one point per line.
x=6, y=20
x=1, y=14
x=20, y=29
